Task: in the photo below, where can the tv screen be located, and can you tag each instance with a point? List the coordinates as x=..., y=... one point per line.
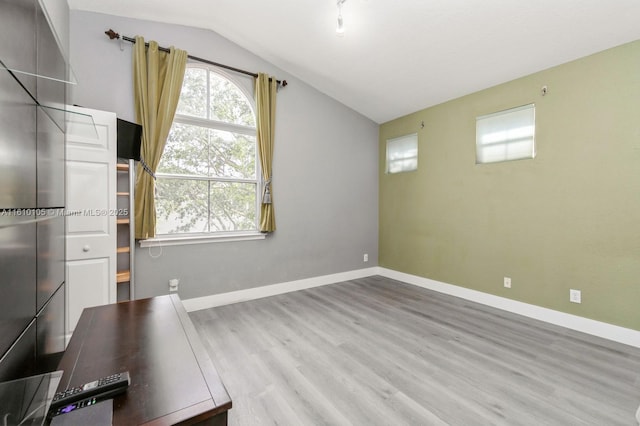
x=129, y=139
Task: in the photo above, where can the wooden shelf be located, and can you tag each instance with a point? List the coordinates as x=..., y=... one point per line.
x=123, y=276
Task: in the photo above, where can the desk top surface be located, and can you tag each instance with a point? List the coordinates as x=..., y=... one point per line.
x=172, y=377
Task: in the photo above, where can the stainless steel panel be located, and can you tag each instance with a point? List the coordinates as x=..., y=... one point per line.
x=20, y=360
x=26, y=401
x=32, y=167
x=50, y=267
x=51, y=64
x=17, y=145
x=17, y=276
x=18, y=39
x=50, y=162
x=50, y=333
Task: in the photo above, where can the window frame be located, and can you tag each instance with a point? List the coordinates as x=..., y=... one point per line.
x=531, y=153
x=212, y=124
x=412, y=137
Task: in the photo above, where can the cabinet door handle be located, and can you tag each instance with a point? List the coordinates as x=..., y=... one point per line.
x=86, y=248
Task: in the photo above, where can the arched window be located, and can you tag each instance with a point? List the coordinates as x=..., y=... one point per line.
x=207, y=179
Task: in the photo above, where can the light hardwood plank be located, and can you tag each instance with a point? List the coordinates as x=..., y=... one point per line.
x=375, y=351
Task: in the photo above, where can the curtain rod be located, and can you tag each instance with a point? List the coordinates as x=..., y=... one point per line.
x=114, y=35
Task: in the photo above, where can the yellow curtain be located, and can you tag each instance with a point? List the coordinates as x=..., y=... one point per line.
x=265, y=92
x=157, y=82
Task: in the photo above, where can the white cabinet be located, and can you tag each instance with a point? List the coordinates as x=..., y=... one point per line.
x=91, y=214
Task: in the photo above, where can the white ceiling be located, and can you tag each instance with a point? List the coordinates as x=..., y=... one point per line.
x=398, y=57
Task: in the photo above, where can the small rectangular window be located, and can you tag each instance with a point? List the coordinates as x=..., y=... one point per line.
x=402, y=154
x=506, y=135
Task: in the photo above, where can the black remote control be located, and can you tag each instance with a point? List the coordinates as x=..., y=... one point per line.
x=101, y=388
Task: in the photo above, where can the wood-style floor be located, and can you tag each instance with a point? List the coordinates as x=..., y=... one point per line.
x=375, y=351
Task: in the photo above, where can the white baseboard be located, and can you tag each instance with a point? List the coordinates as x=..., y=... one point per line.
x=585, y=325
x=206, y=302
x=573, y=322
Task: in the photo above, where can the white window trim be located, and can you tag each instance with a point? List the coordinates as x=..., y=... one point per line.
x=188, y=239
x=412, y=137
x=216, y=237
x=529, y=156
x=215, y=124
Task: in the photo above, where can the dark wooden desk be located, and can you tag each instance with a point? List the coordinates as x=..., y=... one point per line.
x=173, y=380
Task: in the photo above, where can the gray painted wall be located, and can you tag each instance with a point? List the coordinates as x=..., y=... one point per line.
x=325, y=181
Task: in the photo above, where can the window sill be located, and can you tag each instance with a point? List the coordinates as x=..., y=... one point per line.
x=200, y=239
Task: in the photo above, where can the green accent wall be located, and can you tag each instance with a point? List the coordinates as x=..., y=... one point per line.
x=570, y=218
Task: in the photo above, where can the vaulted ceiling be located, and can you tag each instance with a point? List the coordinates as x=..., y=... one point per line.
x=397, y=57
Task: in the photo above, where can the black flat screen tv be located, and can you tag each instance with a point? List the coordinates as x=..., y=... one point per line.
x=129, y=140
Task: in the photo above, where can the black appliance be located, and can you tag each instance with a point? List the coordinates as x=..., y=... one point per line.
x=32, y=197
x=129, y=140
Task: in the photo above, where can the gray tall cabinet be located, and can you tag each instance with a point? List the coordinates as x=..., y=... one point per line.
x=32, y=191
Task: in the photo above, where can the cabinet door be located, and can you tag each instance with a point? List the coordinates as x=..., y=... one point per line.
x=17, y=145
x=50, y=64
x=50, y=329
x=91, y=217
x=17, y=283
x=20, y=360
x=50, y=162
x=51, y=265
x=18, y=40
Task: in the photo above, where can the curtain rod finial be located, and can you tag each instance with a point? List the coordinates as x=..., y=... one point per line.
x=112, y=34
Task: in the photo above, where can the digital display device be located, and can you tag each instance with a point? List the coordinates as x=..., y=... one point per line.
x=74, y=406
x=129, y=139
x=68, y=408
x=95, y=414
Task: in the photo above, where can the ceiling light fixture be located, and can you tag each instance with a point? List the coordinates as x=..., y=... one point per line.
x=340, y=27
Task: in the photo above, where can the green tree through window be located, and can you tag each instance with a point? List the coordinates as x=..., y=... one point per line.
x=207, y=177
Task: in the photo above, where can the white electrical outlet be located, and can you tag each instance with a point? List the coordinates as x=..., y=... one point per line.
x=507, y=282
x=575, y=296
x=365, y=258
x=173, y=284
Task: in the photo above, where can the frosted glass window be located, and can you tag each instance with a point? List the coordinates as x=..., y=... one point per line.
x=506, y=135
x=402, y=154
